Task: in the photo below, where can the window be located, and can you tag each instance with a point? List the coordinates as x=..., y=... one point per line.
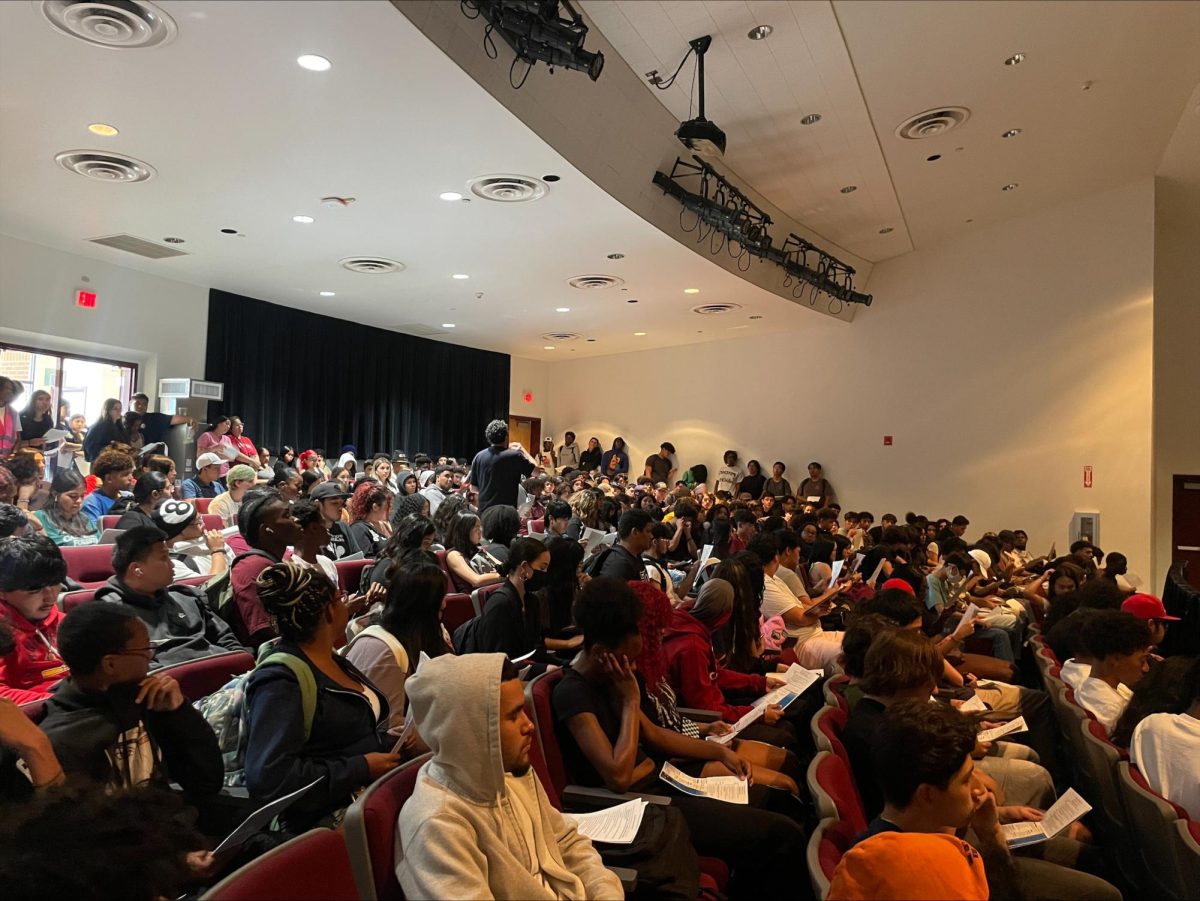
x=83, y=383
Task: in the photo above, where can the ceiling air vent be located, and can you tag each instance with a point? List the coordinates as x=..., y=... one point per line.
x=932, y=123
x=371, y=265
x=508, y=188
x=115, y=24
x=561, y=337
x=712, y=309
x=140, y=246
x=104, y=166
x=593, y=282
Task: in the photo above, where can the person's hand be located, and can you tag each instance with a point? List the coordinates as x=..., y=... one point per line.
x=160, y=693
x=624, y=681
x=379, y=764
x=717, y=727
x=964, y=628
x=24, y=493
x=774, y=680
x=201, y=865
x=736, y=765
x=969, y=679
x=772, y=714
x=956, y=702
x=984, y=818
x=1017, y=814
x=214, y=540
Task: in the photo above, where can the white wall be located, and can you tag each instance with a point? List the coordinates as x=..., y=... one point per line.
x=1176, y=325
x=138, y=318
x=1002, y=363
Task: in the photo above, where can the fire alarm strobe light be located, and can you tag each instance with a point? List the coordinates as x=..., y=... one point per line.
x=528, y=397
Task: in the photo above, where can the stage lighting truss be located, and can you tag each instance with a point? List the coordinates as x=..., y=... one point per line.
x=731, y=222
x=724, y=216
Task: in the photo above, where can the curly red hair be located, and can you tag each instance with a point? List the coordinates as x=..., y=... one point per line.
x=656, y=614
x=368, y=494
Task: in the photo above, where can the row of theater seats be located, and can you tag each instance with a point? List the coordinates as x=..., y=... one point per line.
x=357, y=860
x=1155, y=843
x=1164, y=853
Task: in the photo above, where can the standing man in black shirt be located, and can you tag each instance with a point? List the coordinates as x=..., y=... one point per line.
x=155, y=426
x=659, y=467
x=497, y=470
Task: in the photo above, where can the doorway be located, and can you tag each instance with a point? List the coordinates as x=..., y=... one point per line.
x=527, y=430
x=1185, y=526
x=83, y=383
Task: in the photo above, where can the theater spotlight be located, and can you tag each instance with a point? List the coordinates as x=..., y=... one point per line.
x=548, y=31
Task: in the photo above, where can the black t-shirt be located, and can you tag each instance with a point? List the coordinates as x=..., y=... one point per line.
x=575, y=695
x=859, y=738
x=659, y=468
x=497, y=473
x=622, y=565
x=872, y=560
x=341, y=542
x=753, y=485
x=31, y=428
x=155, y=427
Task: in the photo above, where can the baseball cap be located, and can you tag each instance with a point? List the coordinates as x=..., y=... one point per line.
x=910, y=865
x=172, y=517
x=1146, y=606
x=208, y=460
x=900, y=584
x=327, y=491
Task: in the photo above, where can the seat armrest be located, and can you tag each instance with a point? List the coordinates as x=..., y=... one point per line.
x=627, y=876
x=602, y=797
x=697, y=715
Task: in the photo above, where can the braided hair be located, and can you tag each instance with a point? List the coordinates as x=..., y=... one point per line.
x=295, y=596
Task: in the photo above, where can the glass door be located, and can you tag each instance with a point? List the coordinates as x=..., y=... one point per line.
x=82, y=384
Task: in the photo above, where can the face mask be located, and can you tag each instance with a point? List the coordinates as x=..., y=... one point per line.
x=536, y=580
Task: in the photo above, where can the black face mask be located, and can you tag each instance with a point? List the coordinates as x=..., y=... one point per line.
x=536, y=580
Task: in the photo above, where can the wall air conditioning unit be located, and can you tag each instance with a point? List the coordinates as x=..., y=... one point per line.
x=184, y=388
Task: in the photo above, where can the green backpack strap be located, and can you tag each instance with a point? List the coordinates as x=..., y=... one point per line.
x=308, y=684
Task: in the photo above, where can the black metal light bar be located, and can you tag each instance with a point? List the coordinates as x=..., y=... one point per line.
x=719, y=203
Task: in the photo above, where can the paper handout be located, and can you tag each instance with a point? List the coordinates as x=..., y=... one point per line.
x=705, y=554
x=614, y=826
x=969, y=614
x=1066, y=810
x=593, y=537
x=261, y=819
x=1009, y=728
x=730, y=789
x=834, y=571
x=796, y=680
x=973, y=704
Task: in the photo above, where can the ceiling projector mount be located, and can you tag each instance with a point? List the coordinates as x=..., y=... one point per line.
x=698, y=134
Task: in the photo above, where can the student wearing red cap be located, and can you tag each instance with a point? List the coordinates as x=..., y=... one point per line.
x=1151, y=609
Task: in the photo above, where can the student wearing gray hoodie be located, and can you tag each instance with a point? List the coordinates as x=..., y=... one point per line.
x=479, y=824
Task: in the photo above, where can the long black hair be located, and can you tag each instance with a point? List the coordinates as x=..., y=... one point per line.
x=413, y=609
x=562, y=584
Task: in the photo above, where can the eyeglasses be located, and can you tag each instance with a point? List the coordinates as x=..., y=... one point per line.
x=150, y=652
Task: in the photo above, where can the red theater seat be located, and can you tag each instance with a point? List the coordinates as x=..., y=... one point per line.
x=311, y=867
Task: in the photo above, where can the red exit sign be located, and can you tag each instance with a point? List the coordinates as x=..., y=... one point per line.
x=85, y=299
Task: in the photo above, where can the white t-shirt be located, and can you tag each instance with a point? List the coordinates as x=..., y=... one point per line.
x=1166, y=748
x=1073, y=673
x=789, y=578
x=1102, y=701
x=777, y=600
x=727, y=478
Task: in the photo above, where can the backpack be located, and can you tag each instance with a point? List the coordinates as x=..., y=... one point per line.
x=774, y=632
x=218, y=591
x=595, y=563
x=225, y=712
x=393, y=643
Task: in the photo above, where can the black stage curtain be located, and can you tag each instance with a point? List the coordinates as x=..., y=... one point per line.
x=308, y=380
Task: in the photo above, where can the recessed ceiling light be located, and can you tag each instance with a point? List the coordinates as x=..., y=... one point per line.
x=849, y=189
x=460, y=276
x=450, y=195
x=811, y=119
x=886, y=230
x=303, y=220
x=1011, y=186
x=616, y=256
x=547, y=347
x=229, y=231
x=328, y=294
x=314, y=63
x=562, y=309
x=760, y=32
x=691, y=290
x=933, y=158
x=1015, y=60
x=756, y=317
x=105, y=131
x=173, y=240
x=447, y=325
x=639, y=334
x=1011, y=133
